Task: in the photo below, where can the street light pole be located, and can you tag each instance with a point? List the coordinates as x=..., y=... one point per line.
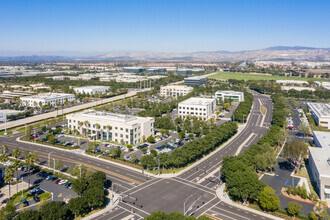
x=184, y=204
x=49, y=158
x=5, y=122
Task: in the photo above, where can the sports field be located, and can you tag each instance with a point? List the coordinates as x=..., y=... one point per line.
x=246, y=76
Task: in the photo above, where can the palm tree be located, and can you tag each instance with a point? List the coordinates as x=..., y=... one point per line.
x=4, y=149
x=3, y=158
x=108, y=129
x=80, y=126
x=16, y=153
x=28, y=160
x=98, y=126
x=9, y=177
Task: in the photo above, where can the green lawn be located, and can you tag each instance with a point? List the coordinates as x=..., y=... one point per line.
x=246, y=76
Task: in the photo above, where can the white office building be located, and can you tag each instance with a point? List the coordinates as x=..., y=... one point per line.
x=230, y=95
x=175, y=90
x=202, y=108
x=319, y=164
x=297, y=88
x=45, y=98
x=320, y=113
x=4, y=113
x=118, y=128
x=291, y=82
x=92, y=90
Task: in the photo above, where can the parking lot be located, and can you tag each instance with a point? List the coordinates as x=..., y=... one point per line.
x=41, y=181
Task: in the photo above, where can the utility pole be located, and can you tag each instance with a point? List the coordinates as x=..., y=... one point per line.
x=5, y=122
x=49, y=158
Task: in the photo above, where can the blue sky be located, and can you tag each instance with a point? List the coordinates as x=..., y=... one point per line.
x=162, y=25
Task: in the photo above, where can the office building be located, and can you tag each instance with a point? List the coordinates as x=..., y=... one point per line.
x=92, y=90
x=297, y=88
x=291, y=82
x=202, y=108
x=134, y=69
x=319, y=164
x=195, y=81
x=156, y=70
x=175, y=90
x=184, y=72
x=230, y=95
x=107, y=126
x=320, y=113
x=46, y=98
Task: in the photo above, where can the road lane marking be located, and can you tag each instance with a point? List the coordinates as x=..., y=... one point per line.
x=241, y=146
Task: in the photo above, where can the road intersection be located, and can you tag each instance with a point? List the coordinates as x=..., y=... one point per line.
x=148, y=193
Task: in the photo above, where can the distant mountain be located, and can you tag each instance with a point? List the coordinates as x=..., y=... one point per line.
x=282, y=53
x=292, y=48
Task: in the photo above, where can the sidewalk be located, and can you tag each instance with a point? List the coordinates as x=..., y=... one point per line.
x=110, y=205
x=5, y=191
x=222, y=195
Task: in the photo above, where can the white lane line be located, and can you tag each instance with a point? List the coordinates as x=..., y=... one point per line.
x=118, y=214
x=223, y=210
x=210, y=208
x=241, y=146
x=130, y=211
x=146, y=186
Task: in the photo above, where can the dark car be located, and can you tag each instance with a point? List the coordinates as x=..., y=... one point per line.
x=36, y=198
x=53, y=178
x=24, y=202
x=57, y=181
x=41, y=173
x=67, y=184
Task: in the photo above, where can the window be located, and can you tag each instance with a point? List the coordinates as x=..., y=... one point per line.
x=126, y=136
x=126, y=130
x=121, y=135
x=121, y=129
x=116, y=134
x=116, y=128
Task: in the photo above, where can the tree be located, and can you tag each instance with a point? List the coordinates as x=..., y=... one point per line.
x=58, y=164
x=303, y=128
x=35, y=157
x=153, y=152
x=295, y=151
x=151, y=139
x=268, y=200
x=16, y=153
x=143, y=138
x=9, y=177
x=28, y=132
x=79, y=206
x=79, y=185
x=8, y=211
x=94, y=197
x=182, y=134
x=294, y=208
x=4, y=149
x=28, y=214
x=226, y=106
x=134, y=158
x=187, y=126
x=69, y=170
x=148, y=161
x=55, y=210
x=99, y=176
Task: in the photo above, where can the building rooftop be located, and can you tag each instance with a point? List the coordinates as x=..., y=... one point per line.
x=93, y=87
x=229, y=92
x=101, y=117
x=195, y=78
x=321, y=109
x=48, y=95
x=321, y=157
x=323, y=138
x=291, y=82
x=298, y=88
x=8, y=111
x=197, y=101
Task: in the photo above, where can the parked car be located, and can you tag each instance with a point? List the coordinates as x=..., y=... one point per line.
x=62, y=182
x=57, y=181
x=24, y=202
x=36, y=198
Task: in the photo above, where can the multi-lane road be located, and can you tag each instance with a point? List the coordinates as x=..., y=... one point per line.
x=197, y=186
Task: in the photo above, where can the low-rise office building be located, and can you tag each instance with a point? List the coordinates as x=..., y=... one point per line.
x=195, y=81
x=184, y=72
x=297, y=88
x=92, y=90
x=291, y=82
x=126, y=129
x=46, y=98
x=202, y=108
x=133, y=69
x=230, y=95
x=156, y=69
x=320, y=113
x=319, y=164
x=175, y=90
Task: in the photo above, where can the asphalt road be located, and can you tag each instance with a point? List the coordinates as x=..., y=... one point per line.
x=169, y=194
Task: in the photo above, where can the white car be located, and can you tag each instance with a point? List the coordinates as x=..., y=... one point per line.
x=62, y=182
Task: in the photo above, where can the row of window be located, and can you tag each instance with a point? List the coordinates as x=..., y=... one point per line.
x=191, y=108
x=192, y=113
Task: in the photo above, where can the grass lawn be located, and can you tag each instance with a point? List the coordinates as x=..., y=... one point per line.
x=9, y=132
x=246, y=76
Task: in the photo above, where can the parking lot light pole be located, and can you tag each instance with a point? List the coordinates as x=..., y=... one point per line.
x=184, y=204
x=54, y=165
